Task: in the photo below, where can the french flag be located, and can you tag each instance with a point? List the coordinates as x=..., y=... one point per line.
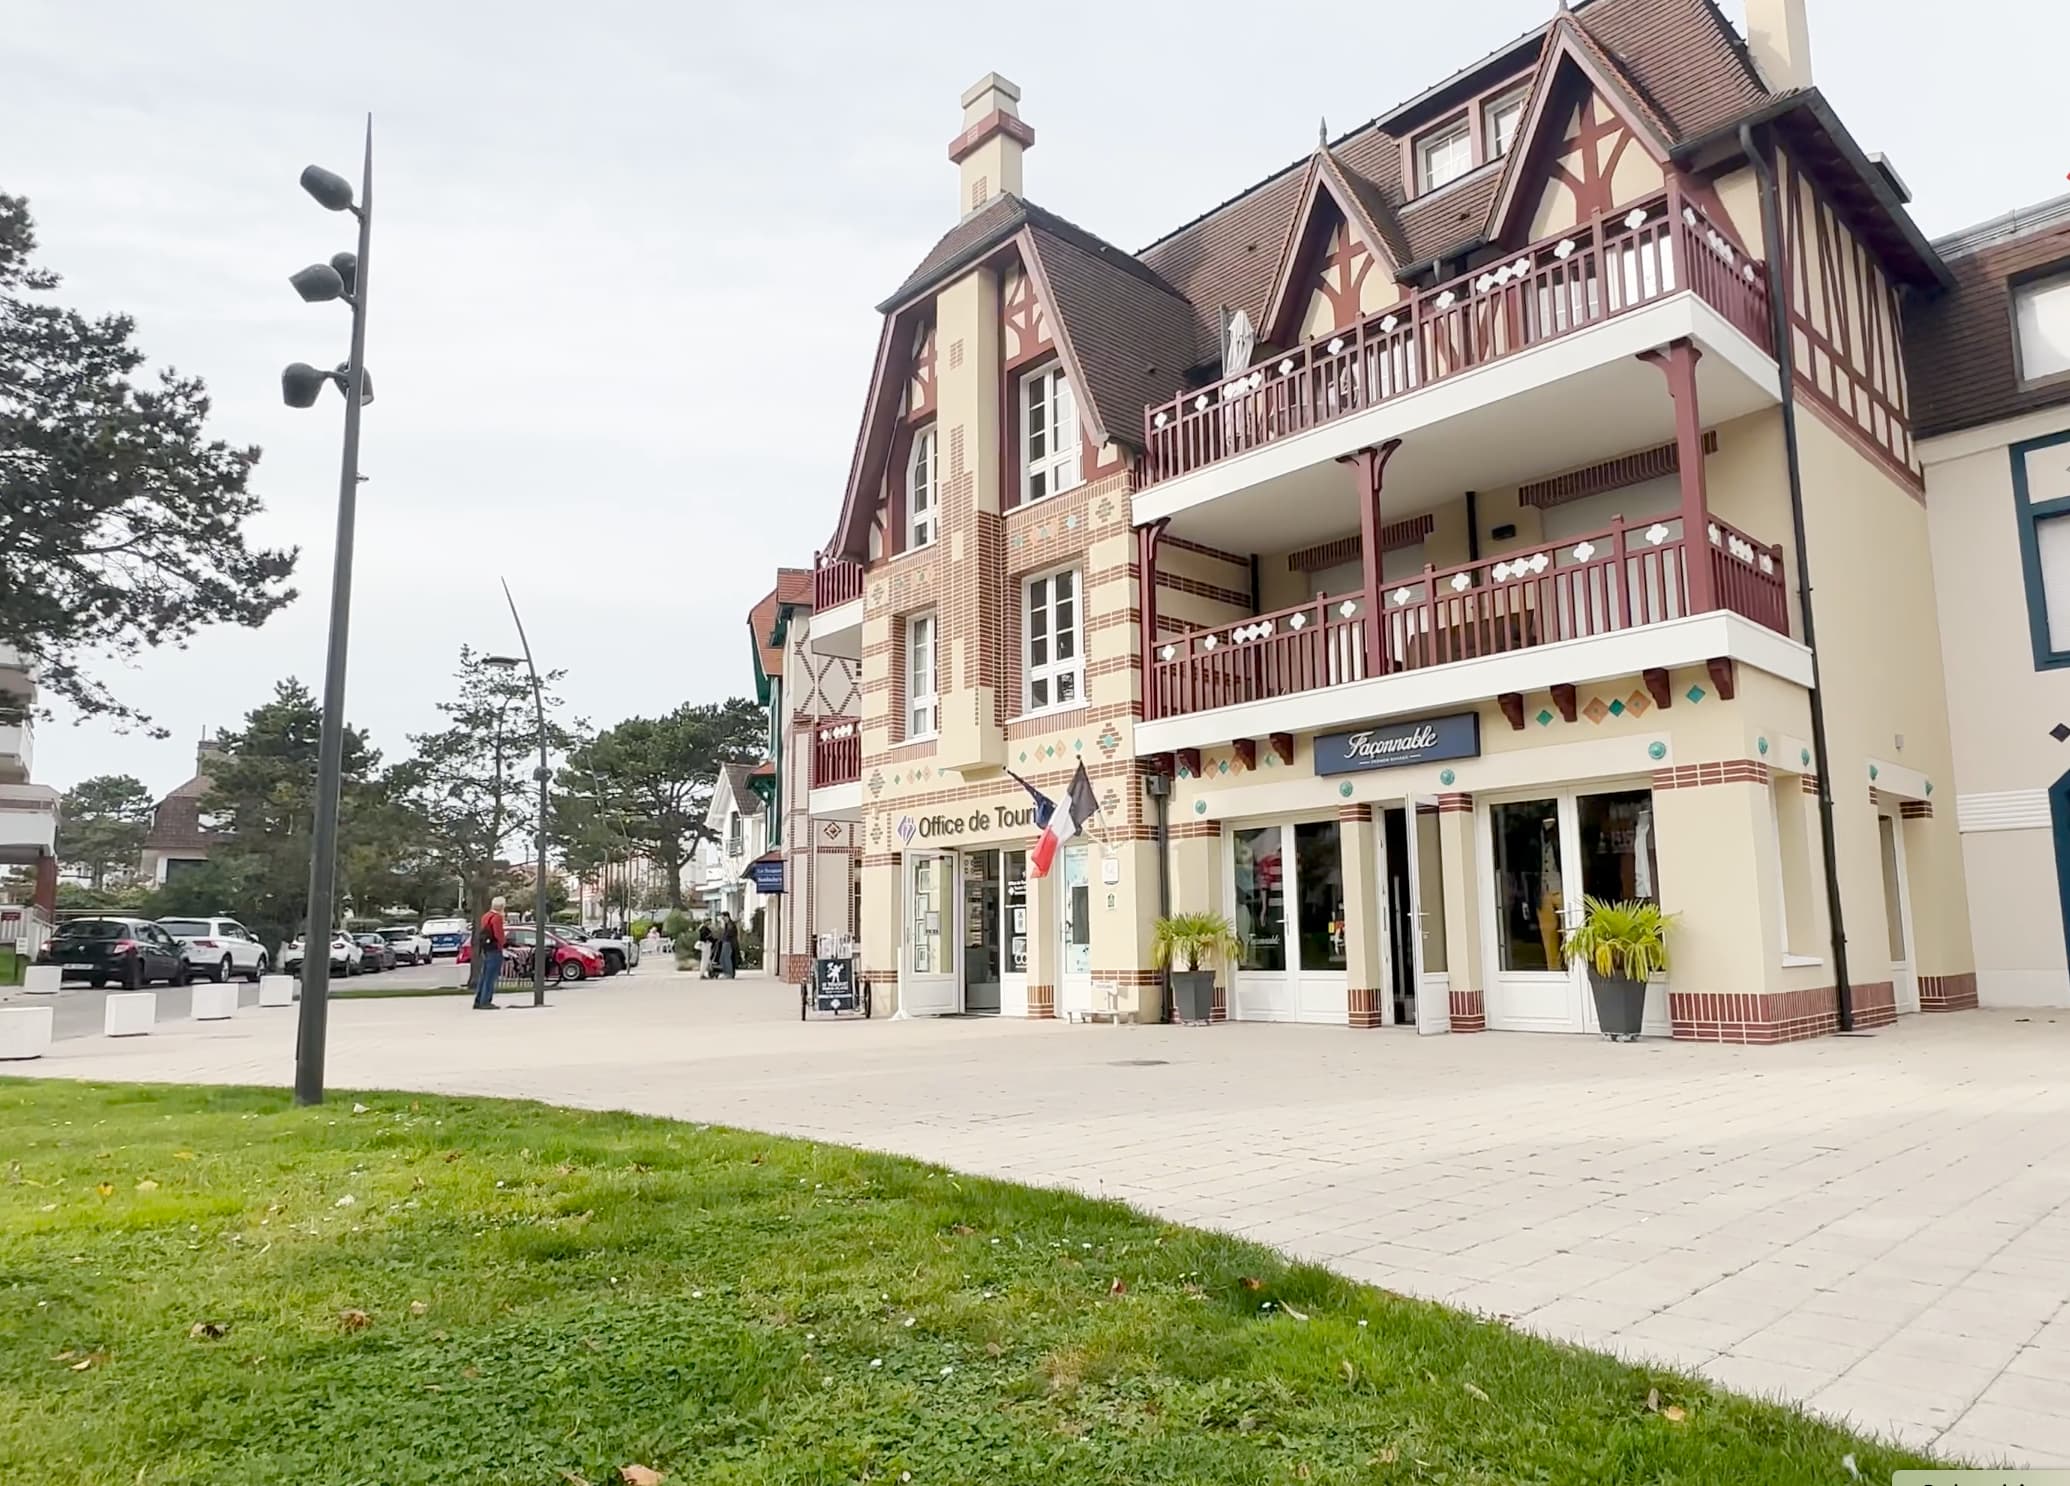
x=1058, y=826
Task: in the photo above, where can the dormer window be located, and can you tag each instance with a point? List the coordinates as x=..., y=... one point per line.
x=1049, y=434
x=922, y=510
x=1444, y=154
x=1501, y=118
x=2041, y=320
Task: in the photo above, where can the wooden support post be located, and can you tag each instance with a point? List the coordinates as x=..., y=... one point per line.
x=1147, y=540
x=1283, y=745
x=1246, y=751
x=1563, y=698
x=1189, y=762
x=1657, y=687
x=1677, y=362
x=1370, y=466
x=1722, y=678
x=1512, y=704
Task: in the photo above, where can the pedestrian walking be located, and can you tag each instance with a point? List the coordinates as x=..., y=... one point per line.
x=489, y=940
x=705, y=943
x=729, y=946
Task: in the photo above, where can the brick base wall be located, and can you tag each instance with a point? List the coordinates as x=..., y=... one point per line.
x=1469, y=1011
x=1366, y=1008
x=1948, y=992
x=796, y=969
x=1875, y=1005
x=1219, y=1012
x=1788, y=1017
x=1042, y=1002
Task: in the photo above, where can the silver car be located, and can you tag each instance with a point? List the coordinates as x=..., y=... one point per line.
x=218, y=948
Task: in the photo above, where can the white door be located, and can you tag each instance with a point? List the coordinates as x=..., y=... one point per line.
x=1431, y=965
x=1074, y=929
x=1287, y=885
x=1897, y=912
x=927, y=979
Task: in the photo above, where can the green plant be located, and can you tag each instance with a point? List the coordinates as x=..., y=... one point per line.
x=1197, y=939
x=1625, y=937
x=640, y=926
x=676, y=926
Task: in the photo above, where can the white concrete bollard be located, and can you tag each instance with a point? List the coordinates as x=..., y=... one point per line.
x=277, y=990
x=25, y=1031
x=43, y=980
x=215, y=1003
x=130, y=1014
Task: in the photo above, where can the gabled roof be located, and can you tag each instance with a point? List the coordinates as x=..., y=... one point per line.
x=1358, y=201
x=762, y=621
x=731, y=791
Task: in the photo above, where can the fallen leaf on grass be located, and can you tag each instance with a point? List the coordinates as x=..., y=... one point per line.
x=147, y=1185
x=82, y=1364
x=564, y=1169
x=1652, y=1400
x=1477, y=1393
x=1350, y=1372
x=418, y=1307
x=354, y=1320
x=1119, y=1287
x=575, y=1478
x=1298, y=1316
x=639, y=1475
x=470, y=1372
x=1673, y=1413
x=359, y=1109
x=1385, y=1457
x=1251, y=1284
x=106, y=1189
x=452, y=1155
x=209, y=1331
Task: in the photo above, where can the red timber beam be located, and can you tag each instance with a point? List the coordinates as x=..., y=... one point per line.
x=1147, y=540
x=1677, y=362
x=1370, y=466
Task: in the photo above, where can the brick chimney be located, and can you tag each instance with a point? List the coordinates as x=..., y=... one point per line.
x=1779, y=40
x=988, y=151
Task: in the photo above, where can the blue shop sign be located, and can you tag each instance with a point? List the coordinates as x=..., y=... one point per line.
x=1390, y=745
x=767, y=876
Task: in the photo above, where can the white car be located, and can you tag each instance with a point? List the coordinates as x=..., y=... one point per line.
x=218, y=948
x=411, y=946
x=446, y=934
x=618, y=953
x=346, y=955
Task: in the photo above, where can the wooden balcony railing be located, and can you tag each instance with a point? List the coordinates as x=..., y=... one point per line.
x=1613, y=580
x=1660, y=247
x=836, y=581
x=836, y=752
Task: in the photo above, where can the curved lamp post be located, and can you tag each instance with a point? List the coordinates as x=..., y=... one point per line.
x=542, y=774
x=344, y=278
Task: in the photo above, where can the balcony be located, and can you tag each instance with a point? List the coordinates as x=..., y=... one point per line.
x=1611, y=603
x=1517, y=367
x=17, y=751
x=28, y=822
x=837, y=768
x=837, y=587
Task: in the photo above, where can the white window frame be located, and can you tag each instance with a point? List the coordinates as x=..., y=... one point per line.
x=1459, y=129
x=1492, y=147
x=923, y=479
x=923, y=707
x=736, y=835
x=1058, y=465
x=1052, y=672
x=2055, y=288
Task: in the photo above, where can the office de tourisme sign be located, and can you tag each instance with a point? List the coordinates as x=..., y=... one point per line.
x=1390, y=745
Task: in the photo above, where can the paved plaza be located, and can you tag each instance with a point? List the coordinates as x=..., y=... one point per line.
x=1876, y=1226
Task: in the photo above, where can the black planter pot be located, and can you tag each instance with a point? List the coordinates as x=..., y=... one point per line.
x=1193, y=995
x=1620, y=1004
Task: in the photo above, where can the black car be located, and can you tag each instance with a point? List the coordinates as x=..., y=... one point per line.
x=375, y=952
x=130, y=952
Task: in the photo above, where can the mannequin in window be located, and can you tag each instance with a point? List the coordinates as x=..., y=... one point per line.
x=1550, y=897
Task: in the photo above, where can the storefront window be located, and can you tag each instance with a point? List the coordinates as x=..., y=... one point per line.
x=1016, y=913
x=1077, y=905
x=1261, y=898
x=1528, y=889
x=1319, y=876
x=1617, y=856
x=1430, y=888
x=925, y=931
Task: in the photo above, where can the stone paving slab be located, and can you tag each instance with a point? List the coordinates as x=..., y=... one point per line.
x=1877, y=1227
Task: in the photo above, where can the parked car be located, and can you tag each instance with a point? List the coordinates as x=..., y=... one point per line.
x=447, y=935
x=570, y=962
x=618, y=953
x=218, y=948
x=346, y=956
x=375, y=953
x=131, y=952
x=411, y=946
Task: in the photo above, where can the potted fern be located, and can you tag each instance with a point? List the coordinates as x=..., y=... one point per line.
x=1623, y=943
x=1189, y=944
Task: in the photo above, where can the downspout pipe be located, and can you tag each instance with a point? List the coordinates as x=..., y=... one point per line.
x=1159, y=787
x=1779, y=335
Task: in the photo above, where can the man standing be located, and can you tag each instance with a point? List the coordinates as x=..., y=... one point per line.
x=489, y=941
x=729, y=947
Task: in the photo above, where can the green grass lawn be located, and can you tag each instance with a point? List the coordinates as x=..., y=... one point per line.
x=210, y=1286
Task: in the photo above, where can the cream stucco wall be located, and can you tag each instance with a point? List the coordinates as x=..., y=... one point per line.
x=2001, y=706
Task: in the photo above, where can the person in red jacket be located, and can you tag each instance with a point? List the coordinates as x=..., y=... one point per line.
x=488, y=960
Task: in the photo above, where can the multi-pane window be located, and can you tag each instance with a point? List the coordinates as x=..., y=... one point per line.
x=2041, y=507
x=1049, y=434
x=1055, y=660
x=1500, y=120
x=923, y=701
x=922, y=511
x=2052, y=569
x=2041, y=313
x=1444, y=154
x=736, y=835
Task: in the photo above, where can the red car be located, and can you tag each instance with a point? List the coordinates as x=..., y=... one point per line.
x=571, y=961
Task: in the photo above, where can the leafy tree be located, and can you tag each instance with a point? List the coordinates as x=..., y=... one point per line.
x=121, y=523
x=517, y=889
x=263, y=797
x=102, y=825
x=657, y=775
x=470, y=783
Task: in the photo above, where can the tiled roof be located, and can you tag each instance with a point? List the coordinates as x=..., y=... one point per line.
x=761, y=624
x=794, y=587
x=1960, y=359
x=996, y=219
x=1134, y=339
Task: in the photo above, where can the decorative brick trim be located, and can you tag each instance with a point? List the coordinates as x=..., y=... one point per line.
x=796, y=968
x=1365, y=1008
x=1956, y=992
x=883, y=858
x=1875, y=1005
x=1234, y=559
x=1698, y=776
x=1194, y=830
x=1042, y=1002
x=1404, y=533
x=1456, y=804
x=1788, y=1016
x=1180, y=583
x=1355, y=813
x=1810, y=783
x=1915, y=809
x=1219, y=1012
x=1611, y=474
x=1469, y=1011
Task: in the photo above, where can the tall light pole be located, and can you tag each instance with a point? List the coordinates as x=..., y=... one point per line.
x=344, y=277
x=542, y=774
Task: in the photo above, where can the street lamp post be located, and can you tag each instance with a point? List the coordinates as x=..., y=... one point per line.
x=344, y=277
x=542, y=774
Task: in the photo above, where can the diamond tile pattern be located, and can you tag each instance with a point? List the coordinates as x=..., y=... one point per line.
x=1595, y=711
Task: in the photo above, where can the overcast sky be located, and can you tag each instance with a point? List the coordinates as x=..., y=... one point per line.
x=626, y=253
